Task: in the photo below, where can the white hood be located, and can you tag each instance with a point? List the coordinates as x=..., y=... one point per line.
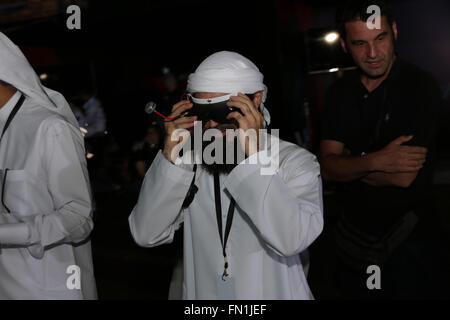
x=16, y=71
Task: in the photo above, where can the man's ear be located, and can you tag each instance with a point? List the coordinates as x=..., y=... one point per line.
x=257, y=98
x=394, y=30
x=343, y=45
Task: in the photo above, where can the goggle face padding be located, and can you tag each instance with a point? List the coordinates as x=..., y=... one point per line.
x=217, y=111
x=212, y=109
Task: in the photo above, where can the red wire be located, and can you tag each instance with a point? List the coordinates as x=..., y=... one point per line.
x=171, y=119
x=164, y=116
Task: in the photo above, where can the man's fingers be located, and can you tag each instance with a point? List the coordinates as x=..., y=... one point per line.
x=185, y=120
x=243, y=103
x=178, y=104
x=411, y=157
x=402, y=139
x=242, y=98
x=415, y=163
x=235, y=115
x=243, y=107
x=250, y=107
x=179, y=107
x=419, y=160
x=408, y=166
x=239, y=118
x=253, y=108
x=410, y=169
x=414, y=156
x=412, y=164
x=186, y=125
x=415, y=149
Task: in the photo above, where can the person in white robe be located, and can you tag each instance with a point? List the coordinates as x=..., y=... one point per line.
x=46, y=211
x=276, y=216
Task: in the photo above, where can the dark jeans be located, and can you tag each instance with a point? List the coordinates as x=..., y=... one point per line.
x=413, y=271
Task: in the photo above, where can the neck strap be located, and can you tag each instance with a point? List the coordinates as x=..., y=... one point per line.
x=223, y=240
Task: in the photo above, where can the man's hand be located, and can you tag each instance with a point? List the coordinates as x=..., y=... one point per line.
x=396, y=158
x=250, y=118
x=180, y=123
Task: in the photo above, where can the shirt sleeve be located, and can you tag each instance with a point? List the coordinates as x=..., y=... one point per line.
x=285, y=207
x=63, y=161
x=157, y=214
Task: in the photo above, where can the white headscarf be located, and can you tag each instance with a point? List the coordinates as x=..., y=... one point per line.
x=16, y=71
x=229, y=72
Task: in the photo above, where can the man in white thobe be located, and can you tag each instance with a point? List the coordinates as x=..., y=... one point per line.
x=276, y=216
x=46, y=215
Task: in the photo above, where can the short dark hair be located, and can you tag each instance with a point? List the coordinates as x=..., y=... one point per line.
x=351, y=10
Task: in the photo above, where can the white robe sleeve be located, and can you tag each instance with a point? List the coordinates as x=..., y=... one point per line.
x=157, y=214
x=63, y=161
x=286, y=207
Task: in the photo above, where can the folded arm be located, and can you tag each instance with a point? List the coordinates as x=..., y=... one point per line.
x=394, y=165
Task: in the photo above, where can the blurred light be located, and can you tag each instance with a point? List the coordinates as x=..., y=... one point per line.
x=89, y=155
x=333, y=70
x=331, y=37
x=83, y=131
x=43, y=76
x=165, y=70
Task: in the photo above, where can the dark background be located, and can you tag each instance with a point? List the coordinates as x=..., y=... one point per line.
x=122, y=47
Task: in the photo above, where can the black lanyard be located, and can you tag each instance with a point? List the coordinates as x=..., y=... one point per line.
x=3, y=192
x=12, y=114
x=191, y=192
x=8, y=121
x=219, y=221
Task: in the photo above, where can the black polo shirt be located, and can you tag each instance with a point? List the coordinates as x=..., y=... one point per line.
x=407, y=102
